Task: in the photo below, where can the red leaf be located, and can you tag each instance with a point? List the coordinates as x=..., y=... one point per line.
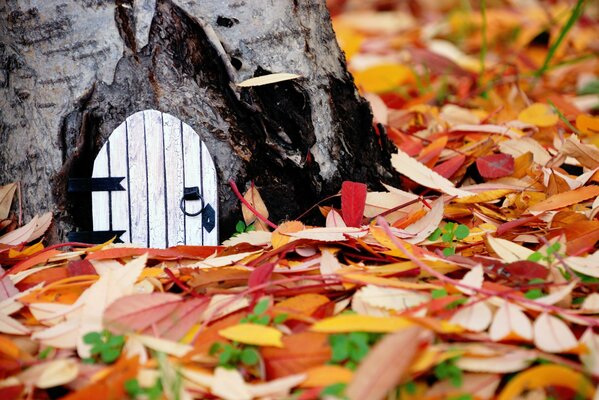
x=81, y=267
x=259, y=276
x=172, y=253
x=526, y=270
x=449, y=167
x=139, y=311
x=495, y=165
x=353, y=201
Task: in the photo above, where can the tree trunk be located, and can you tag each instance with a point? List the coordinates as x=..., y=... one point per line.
x=72, y=71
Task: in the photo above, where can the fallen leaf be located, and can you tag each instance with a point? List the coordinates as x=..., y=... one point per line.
x=586, y=154
x=255, y=200
x=552, y=335
x=255, y=334
x=329, y=234
x=538, y=114
x=543, y=376
x=385, y=365
x=495, y=165
x=587, y=124
x=6, y=195
x=57, y=373
x=325, y=375
x=353, y=201
x=268, y=79
x=512, y=361
x=518, y=147
x=139, y=311
x=510, y=323
x=383, y=78
x=300, y=352
x=423, y=175
x=360, y=323
x=566, y=199
x=474, y=316
x=508, y=251
x=228, y=384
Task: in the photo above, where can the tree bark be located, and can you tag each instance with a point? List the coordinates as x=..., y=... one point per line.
x=72, y=71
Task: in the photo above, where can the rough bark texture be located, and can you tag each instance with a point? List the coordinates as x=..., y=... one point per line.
x=72, y=71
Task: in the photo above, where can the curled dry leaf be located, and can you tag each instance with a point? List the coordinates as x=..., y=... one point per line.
x=255, y=200
x=6, y=195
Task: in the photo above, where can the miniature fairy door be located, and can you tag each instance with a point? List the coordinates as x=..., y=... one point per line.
x=169, y=182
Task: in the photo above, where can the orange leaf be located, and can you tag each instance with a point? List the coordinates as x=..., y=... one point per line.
x=301, y=306
x=587, y=124
x=33, y=261
x=112, y=385
x=300, y=352
x=566, y=199
x=545, y=376
x=325, y=375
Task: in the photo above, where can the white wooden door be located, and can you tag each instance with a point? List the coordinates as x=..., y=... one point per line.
x=158, y=156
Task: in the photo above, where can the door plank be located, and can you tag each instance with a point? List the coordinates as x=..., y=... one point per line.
x=138, y=188
x=210, y=194
x=193, y=173
x=156, y=179
x=118, y=168
x=100, y=200
x=173, y=149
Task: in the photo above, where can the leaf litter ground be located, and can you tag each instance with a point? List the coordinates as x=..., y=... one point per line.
x=476, y=280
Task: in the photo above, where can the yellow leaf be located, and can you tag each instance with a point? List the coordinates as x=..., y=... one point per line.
x=388, y=282
x=383, y=78
x=547, y=375
x=349, y=40
x=361, y=323
x=587, y=124
x=12, y=253
x=325, y=375
x=255, y=334
x=538, y=114
x=483, y=197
